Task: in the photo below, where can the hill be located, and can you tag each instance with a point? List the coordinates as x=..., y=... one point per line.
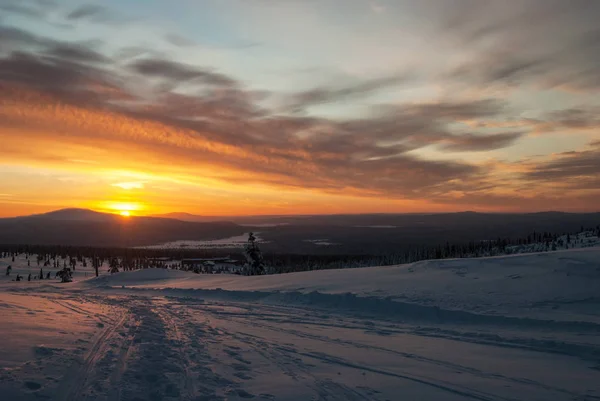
x=365, y=234
x=81, y=227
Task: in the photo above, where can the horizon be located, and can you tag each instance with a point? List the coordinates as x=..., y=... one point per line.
x=291, y=108
x=167, y=215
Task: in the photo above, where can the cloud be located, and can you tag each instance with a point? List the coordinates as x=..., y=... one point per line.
x=458, y=110
x=303, y=100
x=12, y=38
x=475, y=143
x=72, y=95
x=548, y=43
x=178, y=40
x=570, y=168
x=91, y=12
x=224, y=126
x=61, y=78
x=376, y=7
x=129, y=185
x=15, y=8
x=268, y=147
x=573, y=118
x=76, y=53
x=36, y=9
x=179, y=72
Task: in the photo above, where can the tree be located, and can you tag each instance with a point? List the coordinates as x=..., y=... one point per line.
x=113, y=266
x=254, y=265
x=65, y=275
x=96, y=264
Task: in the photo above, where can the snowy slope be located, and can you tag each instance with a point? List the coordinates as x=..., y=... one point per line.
x=563, y=284
x=519, y=327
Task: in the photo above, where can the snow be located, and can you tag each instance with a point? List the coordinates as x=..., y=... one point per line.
x=519, y=327
x=263, y=225
x=379, y=226
x=586, y=239
x=321, y=242
x=237, y=241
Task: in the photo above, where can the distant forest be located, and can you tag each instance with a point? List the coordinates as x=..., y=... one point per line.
x=136, y=258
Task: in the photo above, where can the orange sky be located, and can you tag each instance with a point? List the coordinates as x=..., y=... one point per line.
x=87, y=121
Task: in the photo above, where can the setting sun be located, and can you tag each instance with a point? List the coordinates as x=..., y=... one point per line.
x=125, y=209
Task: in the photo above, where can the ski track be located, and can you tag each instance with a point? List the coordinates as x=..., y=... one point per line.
x=80, y=375
x=283, y=353
x=168, y=348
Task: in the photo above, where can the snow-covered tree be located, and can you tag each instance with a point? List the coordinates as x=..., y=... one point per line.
x=65, y=275
x=113, y=266
x=254, y=261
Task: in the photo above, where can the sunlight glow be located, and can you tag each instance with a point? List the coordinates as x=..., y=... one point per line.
x=129, y=185
x=123, y=208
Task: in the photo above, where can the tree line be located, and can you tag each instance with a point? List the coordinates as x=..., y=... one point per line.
x=255, y=262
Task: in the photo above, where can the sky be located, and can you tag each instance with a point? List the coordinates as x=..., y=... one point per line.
x=249, y=107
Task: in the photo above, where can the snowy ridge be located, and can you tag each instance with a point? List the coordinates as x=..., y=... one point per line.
x=559, y=285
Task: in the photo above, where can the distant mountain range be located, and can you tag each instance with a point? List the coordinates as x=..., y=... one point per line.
x=191, y=217
x=236, y=219
x=84, y=227
x=363, y=233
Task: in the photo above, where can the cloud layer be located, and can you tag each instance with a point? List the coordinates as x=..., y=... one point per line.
x=445, y=149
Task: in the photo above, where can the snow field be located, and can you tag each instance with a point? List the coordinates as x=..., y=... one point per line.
x=519, y=327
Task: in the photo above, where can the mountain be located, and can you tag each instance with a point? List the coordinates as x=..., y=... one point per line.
x=365, y=234
x=72, y=214
x=82, y=227
x=259, y=220
x=190, y=217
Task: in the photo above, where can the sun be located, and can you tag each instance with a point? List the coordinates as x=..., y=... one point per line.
x=122, y=208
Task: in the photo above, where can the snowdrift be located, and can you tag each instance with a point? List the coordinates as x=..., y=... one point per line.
x=563, y=286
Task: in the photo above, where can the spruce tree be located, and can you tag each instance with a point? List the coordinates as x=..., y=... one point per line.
x=114, y=266
x=255, y=265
